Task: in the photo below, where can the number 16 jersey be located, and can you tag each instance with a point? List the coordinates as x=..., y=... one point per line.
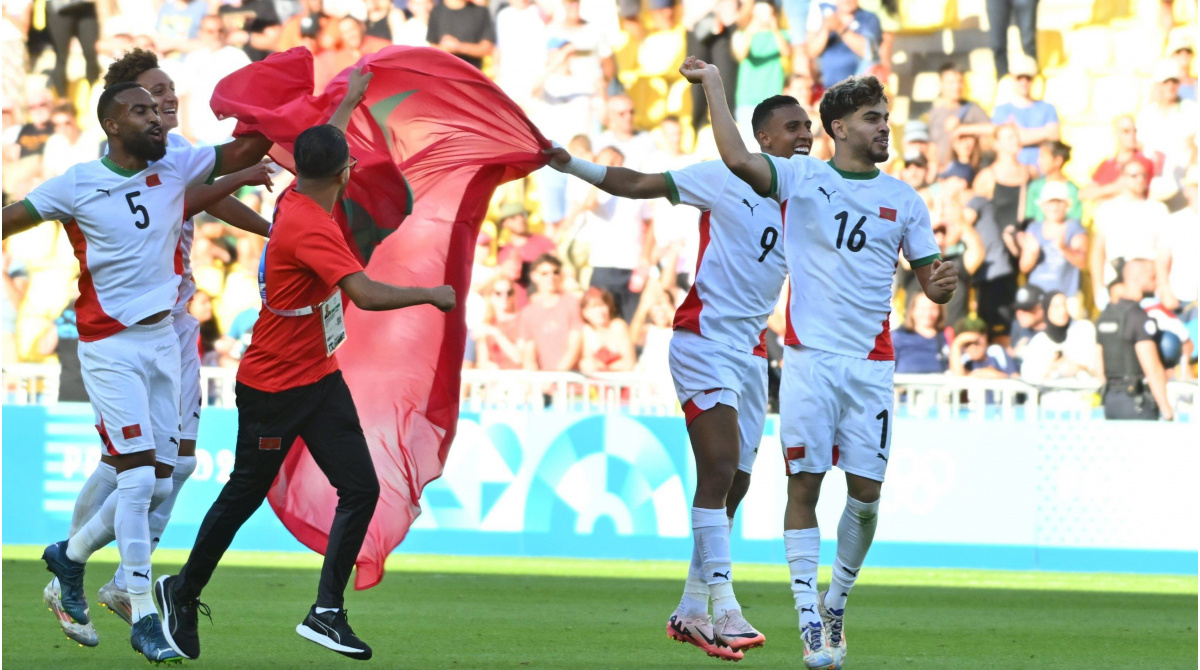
x=740, y=267
x=842, y=234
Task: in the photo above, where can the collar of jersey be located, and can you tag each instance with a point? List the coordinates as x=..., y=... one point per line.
x=853, y=175
x=108, y=163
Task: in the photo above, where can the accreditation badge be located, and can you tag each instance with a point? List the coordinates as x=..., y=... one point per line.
x=333, y=322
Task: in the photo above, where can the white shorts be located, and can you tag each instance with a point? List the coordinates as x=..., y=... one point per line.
x=706, y=372
x=836, y=410
x=132, y=378
x=187, y=329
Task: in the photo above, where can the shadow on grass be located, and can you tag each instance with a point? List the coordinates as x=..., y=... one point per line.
x=442, y=620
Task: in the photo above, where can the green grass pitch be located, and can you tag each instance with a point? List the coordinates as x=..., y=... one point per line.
x=494, y=613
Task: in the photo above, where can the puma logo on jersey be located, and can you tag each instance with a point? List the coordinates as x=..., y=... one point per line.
x=103, y=190
x=827, y=194
x=747, y=203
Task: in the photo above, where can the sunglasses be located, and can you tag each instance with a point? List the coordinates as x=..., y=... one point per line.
x=1136, y=175
x=503, y=294
x=350, y=165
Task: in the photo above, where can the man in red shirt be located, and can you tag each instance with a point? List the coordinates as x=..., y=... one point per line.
x=289, y=386
x=1106, y=181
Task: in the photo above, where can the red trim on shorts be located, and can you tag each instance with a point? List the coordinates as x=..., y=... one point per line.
x=105, y=440
x=789, y=334
x=836, y=454
x=94, y=324
x=687, y=317
x=883, y=344
x=761, y=349
x=691, y=411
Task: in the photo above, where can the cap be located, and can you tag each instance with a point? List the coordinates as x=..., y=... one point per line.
x=510, y=209
x=1055, y=190
x=1180, y=39
x=970, y=324
x=916, y=131
x=1023, y=66
x=912, y=157
x=1029, y=297
x=1166, y=70
x=957, y=169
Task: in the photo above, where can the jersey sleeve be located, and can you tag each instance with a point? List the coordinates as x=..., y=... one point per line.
x=196, y=165
x=786, y=173
x=697, y=185
x=53, y=199
x=920, y=247
x=1139, y=326
x=325, y=252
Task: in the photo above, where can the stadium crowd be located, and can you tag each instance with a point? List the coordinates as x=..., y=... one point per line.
x=568, y=278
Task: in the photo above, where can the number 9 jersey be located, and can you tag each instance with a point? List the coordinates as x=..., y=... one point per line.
x=124, y=226
x=842, y=235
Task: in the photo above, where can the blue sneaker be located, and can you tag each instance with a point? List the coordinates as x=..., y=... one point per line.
x=70, y=581
x=147, y=639
x=83, y=633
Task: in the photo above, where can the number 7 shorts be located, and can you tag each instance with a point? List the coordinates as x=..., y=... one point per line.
x=836, y=410
x=132, y=379
x=707, y=372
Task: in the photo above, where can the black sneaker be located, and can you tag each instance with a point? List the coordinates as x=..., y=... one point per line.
x=179, y=617
x=332, y=631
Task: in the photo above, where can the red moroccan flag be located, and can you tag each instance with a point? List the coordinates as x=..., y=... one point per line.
x=454, y=136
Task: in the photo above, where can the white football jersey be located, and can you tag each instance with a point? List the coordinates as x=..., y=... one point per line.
x=842, y=235
x=124, y=227
x=187, y=285
x=740, y=267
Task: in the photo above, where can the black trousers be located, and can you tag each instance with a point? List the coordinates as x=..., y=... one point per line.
x=717, y=50
x=80, y=22
x=1119, y=403
x=1000, y=15
x=268, y=423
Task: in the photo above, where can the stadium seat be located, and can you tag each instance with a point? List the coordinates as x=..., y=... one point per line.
x=900, y=108
x=925, y=87
x=928, y=16
x=1050, y=49
x=1119, y=94
x=1090, y=50
x=1070, y=94
x=661, y=53
x=679, y=98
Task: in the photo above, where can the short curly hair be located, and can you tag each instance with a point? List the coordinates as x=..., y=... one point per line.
x=847, y=97
x=130, y=66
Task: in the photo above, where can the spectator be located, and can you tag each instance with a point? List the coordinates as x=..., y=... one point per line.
x=1166, y=125
x=965, y=151
x=1036, y=120
x=916, y=142
x=68, y=145
x=37, y=131
x=961, y=245
x=953, y=115
x=414, y=31
x=709, y=25
x=759, y=50
x=1066, y=349
x=384, y=20
x=522, y=243
x=520, y=49
x=497, y=340
x=1181, y=49
x=915, y=172
x=240, y=293
x=1002, y=13
x=232, y=345
x=1030, y=317
x=1179, y=252
x=844, y=37
x=888, y=13
x=1052, y=156
x=201, y=307
x=75, y=20
x=61, y=339
x=209, y=262
x=607, y=346
x=920, y=345
x=565, y=94
x=203, y=68
x=16, y=283
x=796, y=12
x=635, y=146
x=1055, y=249
x=179, y=23
x=255, y=27
x=1124, y=227
x=550, y=326
x=651, y=331
x=971, y=355
x=621, y=240
x=1107, y=181
x=590, y=55
x=355, y=43
x=312, y=27
x=462, y=28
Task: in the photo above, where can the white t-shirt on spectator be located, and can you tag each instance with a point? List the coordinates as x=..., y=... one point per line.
x=1041, y=352
x=202, y=69
x=637, y=149
x=1167, y=131
x=614, y=229
x=59, y=154
x=1180, y=237
x=1130, y=229
x=412, y=34
x=521, y=46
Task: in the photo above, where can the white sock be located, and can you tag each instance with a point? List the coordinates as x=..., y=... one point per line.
x=160, y=513
x=710, y=528
x=322, y=610
x=855, y=532
x=695, y=590
x=803, y=548
x=97, y=532
x=135, y=488
x=99, y=485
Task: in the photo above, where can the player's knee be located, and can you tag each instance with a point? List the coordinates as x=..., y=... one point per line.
x=863, y=489
x=717, y=476
x=162, y=491
x=362, y=494
x=185, y=466
x=136, y=485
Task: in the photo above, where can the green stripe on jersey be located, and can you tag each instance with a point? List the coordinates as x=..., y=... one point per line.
x=216, y=171
x=921, y=262
x=854, y=175
x=773, y=192
x=108, y=163
x=32, y=211
x=672, y=190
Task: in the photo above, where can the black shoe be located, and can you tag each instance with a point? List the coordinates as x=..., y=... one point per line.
x=332, y=631
x=179, y=617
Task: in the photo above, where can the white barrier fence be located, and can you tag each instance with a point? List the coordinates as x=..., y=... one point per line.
x=636, y=393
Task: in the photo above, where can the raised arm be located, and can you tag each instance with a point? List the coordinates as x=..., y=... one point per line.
x=199, y=198
x=356, y=88
x=237, y=214
x=750, y=168
x=619, y=181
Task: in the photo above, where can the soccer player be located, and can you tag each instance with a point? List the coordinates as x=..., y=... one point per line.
x=289, y=386
x=718, y=353
x=123, y=215
x=141, y=66
x=844, y=222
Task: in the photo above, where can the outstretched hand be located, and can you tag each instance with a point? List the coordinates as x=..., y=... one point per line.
x=697, y=71
x=257, y=175
x=559, y=157
x=357, y=86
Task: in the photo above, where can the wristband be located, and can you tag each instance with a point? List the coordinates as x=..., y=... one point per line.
x=585, y=170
